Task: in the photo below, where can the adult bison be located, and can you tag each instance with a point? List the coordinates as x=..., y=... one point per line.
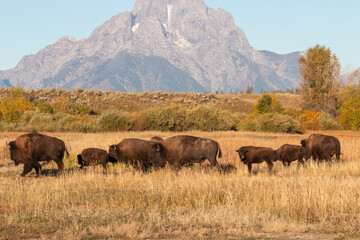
x=184, y=150
x=139, y=153
x=288, y=153
x=33, y=148
x=93, y=157
x=322, y=147
x=250, y=154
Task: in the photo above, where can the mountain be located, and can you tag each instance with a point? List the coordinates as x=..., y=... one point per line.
x=169, y=45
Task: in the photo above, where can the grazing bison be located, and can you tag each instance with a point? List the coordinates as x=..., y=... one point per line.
x=249, y=155
x=139, y=153
x=33, y=148
x=288, y=153
x=95, y=156
x=322, y=147
x=184, y=150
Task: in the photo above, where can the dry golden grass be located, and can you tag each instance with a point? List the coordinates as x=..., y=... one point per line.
x=319, y=202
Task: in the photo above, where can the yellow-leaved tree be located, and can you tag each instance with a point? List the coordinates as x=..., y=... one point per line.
x=12, y=108
x=320, y=86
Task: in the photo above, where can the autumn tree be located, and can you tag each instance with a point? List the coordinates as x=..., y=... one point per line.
x=320, y=86
x=349, y=110
x=13, y=108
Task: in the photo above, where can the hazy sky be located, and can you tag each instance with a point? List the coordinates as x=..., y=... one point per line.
x=281, y=26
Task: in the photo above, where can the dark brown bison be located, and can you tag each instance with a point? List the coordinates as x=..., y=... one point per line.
x=185, y=150
x=139, y=153
x=250, y=154
x=93, y=157
x=288, y=153
x=322, y=147
x=33, y=148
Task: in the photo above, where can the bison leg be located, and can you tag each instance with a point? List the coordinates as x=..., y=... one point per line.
x=249, y=168
x=60, y=165
x=270, y=166
x=37, y=167
x=27, y=169
x=105, y=166
x=285, y=164
x=212, y=161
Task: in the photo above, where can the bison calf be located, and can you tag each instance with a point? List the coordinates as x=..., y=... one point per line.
x=95, y=156
x=288, y=153
x=249, y=155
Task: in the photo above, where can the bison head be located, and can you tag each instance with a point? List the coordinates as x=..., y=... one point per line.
x=303, y=143
x=15, y=153
x=242, y=154
x=80, y=160
x=113, y=152
x=158, y=154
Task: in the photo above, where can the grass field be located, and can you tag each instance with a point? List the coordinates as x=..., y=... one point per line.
x=317, y=202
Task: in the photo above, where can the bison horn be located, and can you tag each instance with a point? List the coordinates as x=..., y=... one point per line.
x=8, y=145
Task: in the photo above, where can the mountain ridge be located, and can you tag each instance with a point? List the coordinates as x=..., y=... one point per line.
x=185, y=38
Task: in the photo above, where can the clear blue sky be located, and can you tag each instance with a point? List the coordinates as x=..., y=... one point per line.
x=281, y=26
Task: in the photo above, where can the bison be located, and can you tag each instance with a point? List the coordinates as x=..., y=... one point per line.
x=322, y=147
x=95, y=156
x=288, y=153
x=184, y=150
x=250, y=154
x=33, y=148
x=139, y=153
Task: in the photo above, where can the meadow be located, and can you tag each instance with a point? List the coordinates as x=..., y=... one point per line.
x=317, y=202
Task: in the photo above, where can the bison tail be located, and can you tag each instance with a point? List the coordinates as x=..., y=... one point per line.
x=67, y=153
x=219, y=151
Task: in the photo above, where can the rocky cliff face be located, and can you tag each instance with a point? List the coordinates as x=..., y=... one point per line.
x=177, y=45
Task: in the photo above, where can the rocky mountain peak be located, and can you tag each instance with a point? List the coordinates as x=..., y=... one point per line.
x=177, y=45
x=147, y=8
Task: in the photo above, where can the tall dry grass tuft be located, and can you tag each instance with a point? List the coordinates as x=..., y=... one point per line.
x=319, y=201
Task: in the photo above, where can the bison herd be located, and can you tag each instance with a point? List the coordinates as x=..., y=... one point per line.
x=177, y=151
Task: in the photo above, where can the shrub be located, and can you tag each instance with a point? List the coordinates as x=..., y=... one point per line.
x=210, y=119
x=115, y=121
x=140, y=121
x=170, y=118
x=328, y=123
x=82, y=109
x=61, y=104
x=310, y=120
x=271, y=122
x=43, y=106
